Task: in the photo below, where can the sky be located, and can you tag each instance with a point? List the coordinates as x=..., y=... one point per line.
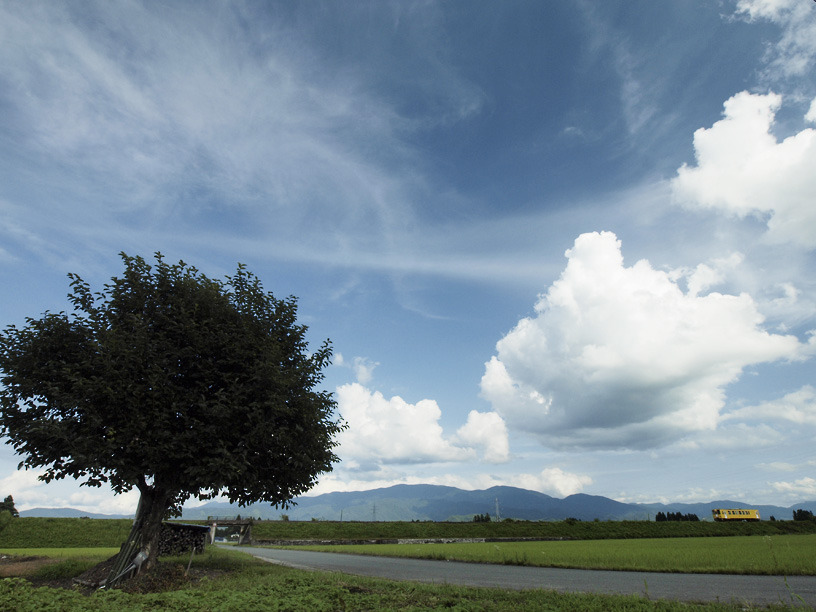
x=567, y=246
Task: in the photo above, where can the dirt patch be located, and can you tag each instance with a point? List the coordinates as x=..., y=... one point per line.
x=163, y=577
x=12, y=566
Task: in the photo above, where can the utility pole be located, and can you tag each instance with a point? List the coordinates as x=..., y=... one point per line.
x=498, y=517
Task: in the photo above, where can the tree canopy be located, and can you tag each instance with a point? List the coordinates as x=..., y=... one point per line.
x=7, y=505
x=173, y=383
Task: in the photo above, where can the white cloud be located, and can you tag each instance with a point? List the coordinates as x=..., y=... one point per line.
x=488, y=431
x=364, y=369
x=620, y=356
x=25, y=487
x=705, y=276
x=30, y=492
x=103, y=501
x=797, y=407
x=743, y=170
x=777, y=466
x=162, y=109
x=552, y=481
x=392, y=431
x=793, y=54
x=739, y=437
x=804, y=487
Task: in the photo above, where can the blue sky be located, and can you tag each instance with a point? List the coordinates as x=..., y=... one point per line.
x=567, y=246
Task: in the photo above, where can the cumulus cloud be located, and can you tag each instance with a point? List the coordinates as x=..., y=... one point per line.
x=30, y=492
x=705, y=276
x=26, y=488
x=363, y=367
x=742, y=169
x=620, y=356
x=486, y=430
x=392, y=431
x=553, y=481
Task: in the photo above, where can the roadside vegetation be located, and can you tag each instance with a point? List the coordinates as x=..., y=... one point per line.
x=569, y=529
x=31, y=532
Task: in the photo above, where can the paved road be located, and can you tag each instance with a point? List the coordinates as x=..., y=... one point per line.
x=757, y=590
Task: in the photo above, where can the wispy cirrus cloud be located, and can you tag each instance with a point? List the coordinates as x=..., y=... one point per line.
x=156, y=116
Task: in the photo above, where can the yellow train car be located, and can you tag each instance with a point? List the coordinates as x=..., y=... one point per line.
x=735, y=514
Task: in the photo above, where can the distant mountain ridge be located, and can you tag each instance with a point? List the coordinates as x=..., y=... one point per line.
x=69, y=513
x=442, y=503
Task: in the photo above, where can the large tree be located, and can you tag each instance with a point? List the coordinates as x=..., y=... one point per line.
x=173, y=383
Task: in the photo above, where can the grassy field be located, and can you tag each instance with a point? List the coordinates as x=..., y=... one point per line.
x=94, y=552
x=232, y=581
x=781, y=554
x=31, y=532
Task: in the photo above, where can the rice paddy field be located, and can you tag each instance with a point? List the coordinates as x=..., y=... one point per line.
x=780, y=554
x=231, y=581
x=43, y=555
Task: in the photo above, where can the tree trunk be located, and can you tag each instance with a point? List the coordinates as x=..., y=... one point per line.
x=141, y=550
x=152, y=509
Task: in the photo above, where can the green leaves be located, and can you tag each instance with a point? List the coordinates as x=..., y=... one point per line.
x=197, y=386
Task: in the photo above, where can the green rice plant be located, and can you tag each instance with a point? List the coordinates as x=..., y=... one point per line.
x=791, y=555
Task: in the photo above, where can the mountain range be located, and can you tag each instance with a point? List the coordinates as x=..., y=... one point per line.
x=441, y=503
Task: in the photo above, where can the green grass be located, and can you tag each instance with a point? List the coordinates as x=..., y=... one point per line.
x=100, y=553
x=783, y=554
x=73, y=561
x=252, y=585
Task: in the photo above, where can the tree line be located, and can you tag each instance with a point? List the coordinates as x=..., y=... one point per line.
x=803, y=515
x=675, y=516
